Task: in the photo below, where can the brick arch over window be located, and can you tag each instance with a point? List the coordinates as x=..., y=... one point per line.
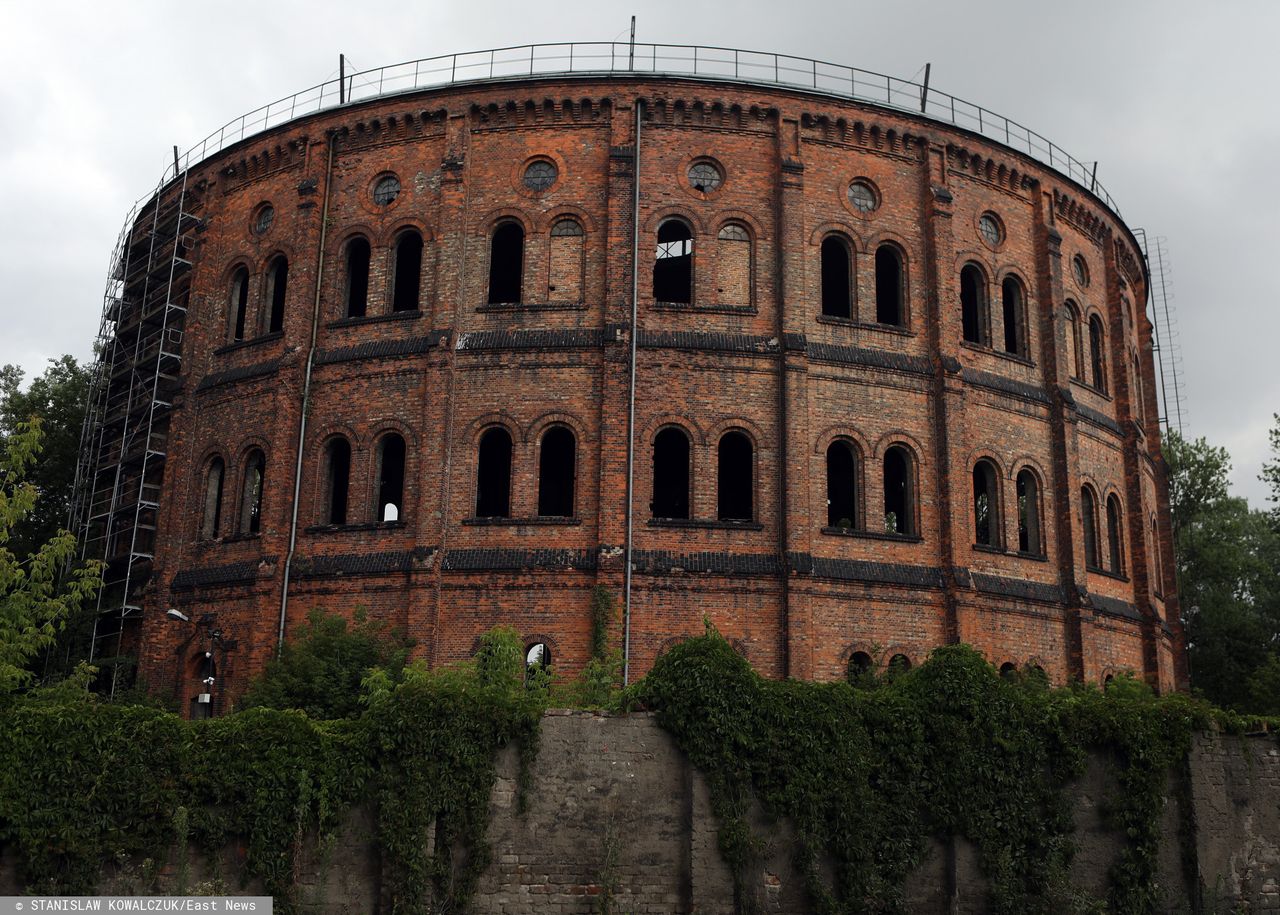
x=1075, y=340
x=1089, y=525
x=1014, y=308
x=1115, y=535
x=213, y=485
x=275, y=292
x=238, y=280
x=975, y=311
x=1097, y=352
x=836, y=275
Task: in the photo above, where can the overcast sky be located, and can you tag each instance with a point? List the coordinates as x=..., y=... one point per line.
x=1177, y=100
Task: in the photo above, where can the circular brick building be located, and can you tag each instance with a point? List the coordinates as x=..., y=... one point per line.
x=850, y=380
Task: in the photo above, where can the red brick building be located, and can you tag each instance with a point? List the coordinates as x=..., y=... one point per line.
x=892, y=386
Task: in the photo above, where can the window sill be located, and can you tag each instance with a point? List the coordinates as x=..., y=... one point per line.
x=999, y=353
x=246, y=344
x=236, y=538
x=1105, y=573
x=870, y=535
x=376, y=319
x=362, y=526
x=700, y=524
x=1088, y=387
x=988, y=548
x=504, y=307
x=522, y=522
x=705, y=309
x=1017, y=554
x=837, y=321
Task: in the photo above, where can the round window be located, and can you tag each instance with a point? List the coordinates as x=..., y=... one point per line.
x=990, y=230
x=1081, y=270
x=266, y=216
x=540, y=175
x=386, y=190
x=705, y=176
x=863, y=196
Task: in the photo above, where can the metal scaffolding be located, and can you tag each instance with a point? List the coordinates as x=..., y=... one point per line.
x=125, y=437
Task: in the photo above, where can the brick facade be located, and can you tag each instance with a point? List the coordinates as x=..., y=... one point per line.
x=751, y=353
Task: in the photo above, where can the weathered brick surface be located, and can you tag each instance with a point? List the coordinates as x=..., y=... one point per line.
x=751, y=353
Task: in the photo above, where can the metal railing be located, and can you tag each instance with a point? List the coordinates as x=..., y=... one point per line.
x=613, y=57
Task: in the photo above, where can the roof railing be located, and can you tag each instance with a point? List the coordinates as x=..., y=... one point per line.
x=621, y=58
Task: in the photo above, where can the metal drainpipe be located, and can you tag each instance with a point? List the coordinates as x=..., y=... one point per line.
x=306, y=396
x=631, y=396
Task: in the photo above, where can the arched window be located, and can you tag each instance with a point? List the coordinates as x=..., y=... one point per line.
x=1097, y=354
x=357, y=277
x=889, y=274
x=407, y=272
x=391, y=457
x=1115, y=537
x=899, y=664
x=899, y=494
x=255, y=468
x=670, y=474
x=837, y=277
x=858, y=670
x=735, y=477
x=842, y=486
x=337, y=480
x=506, y=263
x=1157, y=563
x=1075, y=342
x=277, y=286
x=673, y=264
x=1089, y=518
x=1009, y=670
x=493, y=474
x=211, y=524
x=973, y=306
x=537, y=659
x=986, y=504
x=239, y=303
x=1139, y=390
x=1029, y=514
x=733, y=265
x=557, y=473
x=1015, y=327
x=566, y=267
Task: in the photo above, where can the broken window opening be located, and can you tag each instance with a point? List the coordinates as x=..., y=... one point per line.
x=357, y=277
x=1097, y=356
x=239, y=303
x=1014, y=331
x=251, y=495
x=673, y=264
x=899, y=498
x=889, y=286
x=407, y=282
x=1115, y=537
x=557, y=470
x=391, y=458
x=493, y=475
x=837, y=277
x=337, y=480
x=277, y=285
x=506, y=264
x=735, y=477
x=670, y=474
x=1029, y=514
x=973, y=306
x=1089, y=520
x=986, y=504
x=537, y=660
x=212, y=522
x=842, y=486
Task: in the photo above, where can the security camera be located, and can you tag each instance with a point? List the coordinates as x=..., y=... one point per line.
x=177, y=615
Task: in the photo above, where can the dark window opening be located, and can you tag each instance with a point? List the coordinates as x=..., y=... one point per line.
x=1029, y=514
x=986, y=504
x=888, y=286
x=1155, y=556
x=1115, y=541
x=837, y=278
x=899, y=664
x=277, y=283
x=673, y=264
x=493, y=475
x=1089, y=518
x=408, y=273
x=506, y=263
x=239, y=303
x=1014, y=332
x=212, y=523
x=899, y=511
x=973, y=306
x=735, y=478
x=858, y=671
x=670, y=474
x=357, y=278
x=1075, y=351
x=337, y=480
x=205, y=674
x=391, y=455
x=557, y=469
x=1096, y=355
x=1009, y=670
x=251, y=497
x=842, y=486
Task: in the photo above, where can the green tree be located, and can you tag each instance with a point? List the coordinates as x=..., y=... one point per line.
x=322, y=666
x=40, y=590
x=1271, y=469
